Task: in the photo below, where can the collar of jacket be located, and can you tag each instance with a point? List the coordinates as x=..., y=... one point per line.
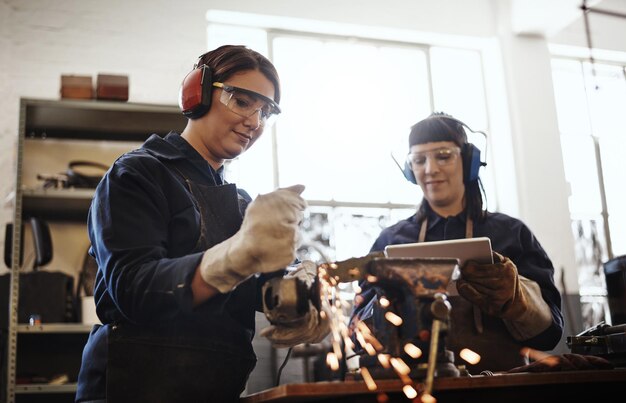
x=173, y=147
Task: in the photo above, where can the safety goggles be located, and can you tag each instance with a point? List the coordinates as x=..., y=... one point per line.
x=442, y=156
x=246, y=103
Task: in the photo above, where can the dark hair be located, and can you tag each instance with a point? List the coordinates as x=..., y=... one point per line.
x=439, y=126
x=228, y=60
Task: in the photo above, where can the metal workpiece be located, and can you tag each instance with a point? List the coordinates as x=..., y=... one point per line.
x=424, y=277
x=353, y=269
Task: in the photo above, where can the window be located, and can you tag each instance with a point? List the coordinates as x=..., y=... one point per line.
x=348, y=105
x=589, y=107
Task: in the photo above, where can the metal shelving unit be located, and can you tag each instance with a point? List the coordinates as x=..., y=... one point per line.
x=59, y=204
x=45, y=389
x=54, y=328
x=64, y=120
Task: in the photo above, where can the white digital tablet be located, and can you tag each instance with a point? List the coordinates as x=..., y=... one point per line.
x=478, y=249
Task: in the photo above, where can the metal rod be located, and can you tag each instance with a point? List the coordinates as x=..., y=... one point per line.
x=604, y=12
x=588, y=36
x=569, y=309
x=605, y=208
x=432, y=356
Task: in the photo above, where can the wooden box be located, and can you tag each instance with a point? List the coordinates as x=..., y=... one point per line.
x=76, y=87
x=112, y=87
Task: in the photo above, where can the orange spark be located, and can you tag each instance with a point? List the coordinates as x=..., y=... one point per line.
x=384, y=360
x=405, y=379
x=373, y=341
x=393, y=318
x=370, y=349
x=337, y=349
x=412, y=350
x=470, y=356
x=428, y=398
x=363, y=327
x=400, y=366
x=332, y=361
x=360, y=338
x=536, y=355
x=367, y=377
x=409, y=391
x=349, y=343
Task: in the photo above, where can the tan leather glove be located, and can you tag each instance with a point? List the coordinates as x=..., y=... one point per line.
x=494, y=288
x=498, y=290
x=266, y=241
x=311, y=327
x=565, y=362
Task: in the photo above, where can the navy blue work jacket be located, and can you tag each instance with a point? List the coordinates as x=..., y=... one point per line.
x=144, y=228
x=142, y=235
x=510, y=237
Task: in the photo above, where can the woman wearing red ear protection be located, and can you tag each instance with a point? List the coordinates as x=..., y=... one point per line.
x=182, y=253
x=502, y=307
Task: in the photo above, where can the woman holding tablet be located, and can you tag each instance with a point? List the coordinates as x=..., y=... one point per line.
x=501, y=307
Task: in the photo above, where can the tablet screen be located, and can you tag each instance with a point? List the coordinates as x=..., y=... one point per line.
x=478, y=249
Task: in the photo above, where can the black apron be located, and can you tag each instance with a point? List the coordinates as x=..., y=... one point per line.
x=198, y=357
x=484, y=334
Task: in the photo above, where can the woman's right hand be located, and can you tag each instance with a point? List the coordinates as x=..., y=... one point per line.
x=266, y=241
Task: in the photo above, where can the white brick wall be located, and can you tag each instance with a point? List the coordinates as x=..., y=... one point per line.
x=41, y=40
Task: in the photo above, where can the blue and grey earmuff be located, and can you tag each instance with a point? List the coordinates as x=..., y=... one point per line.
x=408, y=172
x=471, y=162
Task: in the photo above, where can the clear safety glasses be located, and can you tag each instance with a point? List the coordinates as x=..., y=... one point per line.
x=246, y=103
x=442, y=156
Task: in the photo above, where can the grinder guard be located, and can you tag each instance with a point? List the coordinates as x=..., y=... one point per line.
x=286, y=298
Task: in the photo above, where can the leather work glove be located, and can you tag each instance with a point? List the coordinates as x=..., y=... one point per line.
x=266, y=241
x=565, y=362
x=498, y=290
x=311, y=327
x=494, y=288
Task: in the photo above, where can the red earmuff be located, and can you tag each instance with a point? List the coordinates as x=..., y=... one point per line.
x=195, y=92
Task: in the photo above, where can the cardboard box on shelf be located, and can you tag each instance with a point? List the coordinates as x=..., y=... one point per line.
x=112, y=87
x=76, y=87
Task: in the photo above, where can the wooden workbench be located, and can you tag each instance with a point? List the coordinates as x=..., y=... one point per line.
x=570, y=386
